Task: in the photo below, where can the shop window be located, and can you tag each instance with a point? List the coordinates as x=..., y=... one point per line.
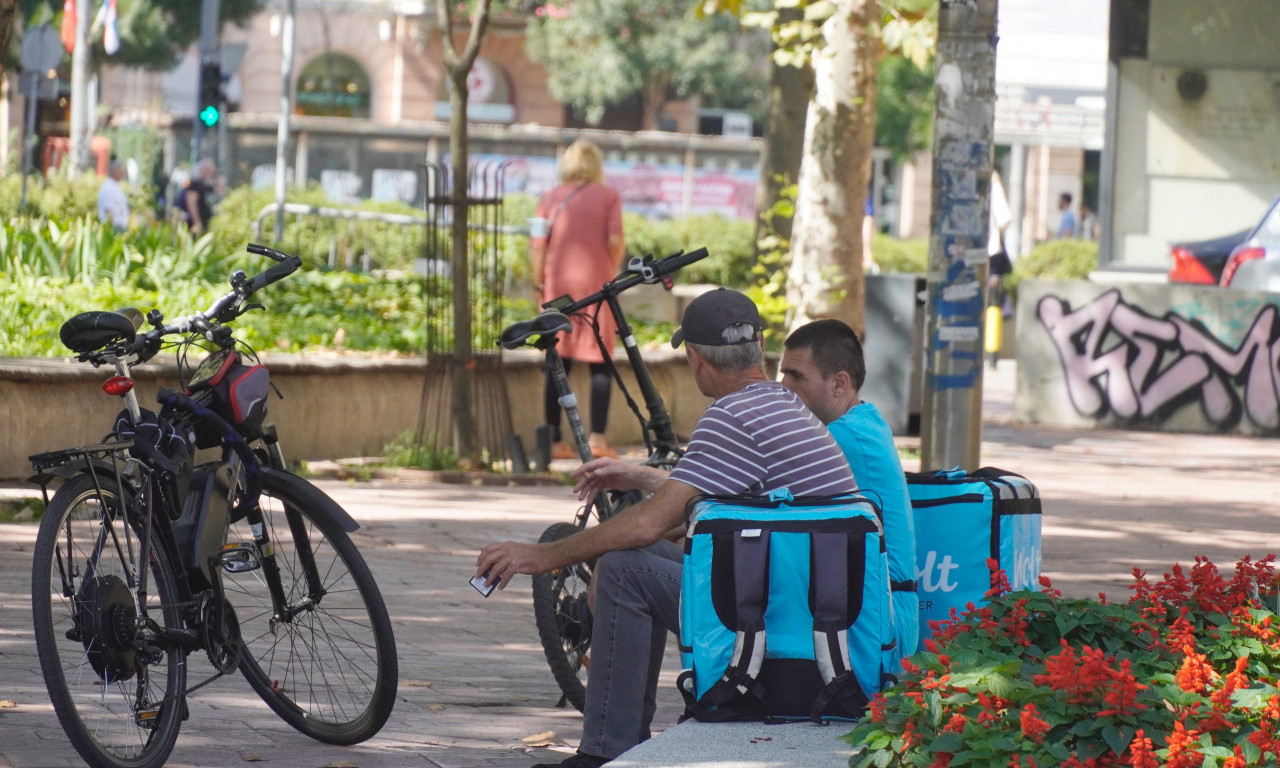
x=333, y=85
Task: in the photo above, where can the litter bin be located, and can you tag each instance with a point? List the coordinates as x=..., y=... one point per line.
x=895, y=320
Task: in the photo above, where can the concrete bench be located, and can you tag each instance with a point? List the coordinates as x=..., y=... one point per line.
x=750, y=745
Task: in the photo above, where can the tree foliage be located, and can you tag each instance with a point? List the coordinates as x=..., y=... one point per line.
x=600, y=52
x=153, y=33
x=904, y=106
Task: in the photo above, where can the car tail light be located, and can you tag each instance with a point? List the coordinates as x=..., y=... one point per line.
x=1239, y=256
x=1188, y=269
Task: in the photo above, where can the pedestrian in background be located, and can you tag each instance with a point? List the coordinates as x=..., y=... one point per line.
x=1066, y=224
x=195, y=201
x=113, y=204
x=577, y=245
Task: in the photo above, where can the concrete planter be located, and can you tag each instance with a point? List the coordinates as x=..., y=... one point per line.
x=333, y=407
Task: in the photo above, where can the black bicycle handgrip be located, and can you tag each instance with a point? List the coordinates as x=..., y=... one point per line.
x=263, y=250
x=672, y=263
x=278, y=272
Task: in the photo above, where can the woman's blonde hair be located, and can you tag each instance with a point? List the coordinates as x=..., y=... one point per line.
x=582, y=162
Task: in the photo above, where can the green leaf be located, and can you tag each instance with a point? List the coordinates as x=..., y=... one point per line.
x=1118, y=738
x=947, y=742
x=1252, y=752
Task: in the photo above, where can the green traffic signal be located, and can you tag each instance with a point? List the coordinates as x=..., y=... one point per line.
x=210, y=115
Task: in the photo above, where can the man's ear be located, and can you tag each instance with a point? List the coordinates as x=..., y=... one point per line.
x=841, y=384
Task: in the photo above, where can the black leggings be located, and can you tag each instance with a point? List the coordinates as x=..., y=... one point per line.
x=601, y=389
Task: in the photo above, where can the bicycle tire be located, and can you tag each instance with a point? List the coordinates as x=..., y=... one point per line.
x=101, y=715
x=330, y=670
x=564, y=620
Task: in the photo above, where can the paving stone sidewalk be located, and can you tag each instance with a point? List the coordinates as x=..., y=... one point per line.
x=474, y=687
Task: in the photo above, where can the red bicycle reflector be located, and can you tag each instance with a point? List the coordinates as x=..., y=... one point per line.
x=117, y=386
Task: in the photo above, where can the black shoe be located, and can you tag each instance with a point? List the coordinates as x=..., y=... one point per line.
x=578, y=760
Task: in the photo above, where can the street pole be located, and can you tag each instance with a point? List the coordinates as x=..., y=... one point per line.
x=208, y=52
x=286, y=109
x=79, y=128
x=963, y=146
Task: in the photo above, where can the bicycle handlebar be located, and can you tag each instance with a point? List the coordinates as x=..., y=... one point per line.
x=638, y=270
x=225, y=307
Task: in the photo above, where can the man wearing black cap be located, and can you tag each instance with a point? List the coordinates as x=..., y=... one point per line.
x=755, y=437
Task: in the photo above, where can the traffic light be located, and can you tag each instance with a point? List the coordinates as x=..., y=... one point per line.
x=209, y=109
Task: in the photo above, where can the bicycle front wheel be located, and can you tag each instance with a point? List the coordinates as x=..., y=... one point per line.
x=325, y=659
x=117, y=689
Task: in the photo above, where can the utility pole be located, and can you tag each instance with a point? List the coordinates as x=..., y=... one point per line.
x=79, y=123
x=286, y=109
x=208, y=53
x=963, y=147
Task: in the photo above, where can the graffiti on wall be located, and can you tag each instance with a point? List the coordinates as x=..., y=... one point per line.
x=1119, y=360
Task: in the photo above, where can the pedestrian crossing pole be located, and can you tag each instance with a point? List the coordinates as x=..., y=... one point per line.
x=963, y=146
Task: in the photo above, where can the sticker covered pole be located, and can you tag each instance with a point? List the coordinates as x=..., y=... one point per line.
x=963, y=146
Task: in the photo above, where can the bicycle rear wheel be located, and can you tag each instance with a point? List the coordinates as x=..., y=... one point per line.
x=327, y=663
x=117, y=691
x=564, y=620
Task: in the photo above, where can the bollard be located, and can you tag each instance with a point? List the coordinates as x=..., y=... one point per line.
x=541, y=448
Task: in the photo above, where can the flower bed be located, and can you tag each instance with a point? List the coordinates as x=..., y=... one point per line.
x=1183, y=674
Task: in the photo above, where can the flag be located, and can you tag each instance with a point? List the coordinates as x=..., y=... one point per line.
x=111, y=32
x=69, y=25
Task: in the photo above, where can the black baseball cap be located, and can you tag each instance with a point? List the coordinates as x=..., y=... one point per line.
x=707, y=316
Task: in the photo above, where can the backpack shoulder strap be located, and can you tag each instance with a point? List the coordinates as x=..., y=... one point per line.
x=829, y=590
x=750, y=558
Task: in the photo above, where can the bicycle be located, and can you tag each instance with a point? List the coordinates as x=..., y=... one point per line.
x=560, y=602
x=144, y=556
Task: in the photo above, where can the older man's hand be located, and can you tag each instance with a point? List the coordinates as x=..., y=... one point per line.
x=502, y=560
x=615, y=475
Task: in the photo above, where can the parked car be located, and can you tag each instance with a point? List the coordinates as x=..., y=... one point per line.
x=1255, y=263
x=1202, y=261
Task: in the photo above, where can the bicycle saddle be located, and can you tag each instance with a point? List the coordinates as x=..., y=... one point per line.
x=517, y=334
x=90, y=331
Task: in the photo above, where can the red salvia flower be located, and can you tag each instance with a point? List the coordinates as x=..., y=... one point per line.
x=1141, y=752
x=1182, y=748
x=1033, y=727
x=1196, y=674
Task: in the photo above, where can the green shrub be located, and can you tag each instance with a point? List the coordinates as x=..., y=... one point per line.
x=1066, y=259
x=730, y=243
x=895, y=255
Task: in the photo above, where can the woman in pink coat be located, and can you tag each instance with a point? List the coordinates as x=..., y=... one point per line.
x=582, y=248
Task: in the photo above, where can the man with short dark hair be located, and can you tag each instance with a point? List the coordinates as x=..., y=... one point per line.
x=755, y=437
x=822, y=362
x=1067, y=223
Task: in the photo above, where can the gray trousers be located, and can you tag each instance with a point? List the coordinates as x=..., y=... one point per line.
x=637, y=603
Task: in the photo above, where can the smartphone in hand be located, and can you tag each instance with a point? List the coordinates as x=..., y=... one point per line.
x=479, y=583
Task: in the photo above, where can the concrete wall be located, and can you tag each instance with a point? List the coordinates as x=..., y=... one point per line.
x=1192, y=163
x=1148, y=356
x=332, y=408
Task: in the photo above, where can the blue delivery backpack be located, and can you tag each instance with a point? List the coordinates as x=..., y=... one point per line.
x=785, y=609
x=961, y=521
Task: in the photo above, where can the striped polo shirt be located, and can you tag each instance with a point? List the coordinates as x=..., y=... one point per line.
x=760, y=439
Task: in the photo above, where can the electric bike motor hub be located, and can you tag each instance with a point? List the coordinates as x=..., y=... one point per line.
x=108, y=626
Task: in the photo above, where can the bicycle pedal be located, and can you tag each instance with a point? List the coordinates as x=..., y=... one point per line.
x=147, y=718
x=239, y=558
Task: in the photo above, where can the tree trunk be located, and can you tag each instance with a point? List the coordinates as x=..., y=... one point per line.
x=8, y=10
x=654, y=100
x=789, y=92
x=458, y=66
x=825, y=276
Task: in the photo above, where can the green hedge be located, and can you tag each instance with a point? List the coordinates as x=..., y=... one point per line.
x=1067, y=259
